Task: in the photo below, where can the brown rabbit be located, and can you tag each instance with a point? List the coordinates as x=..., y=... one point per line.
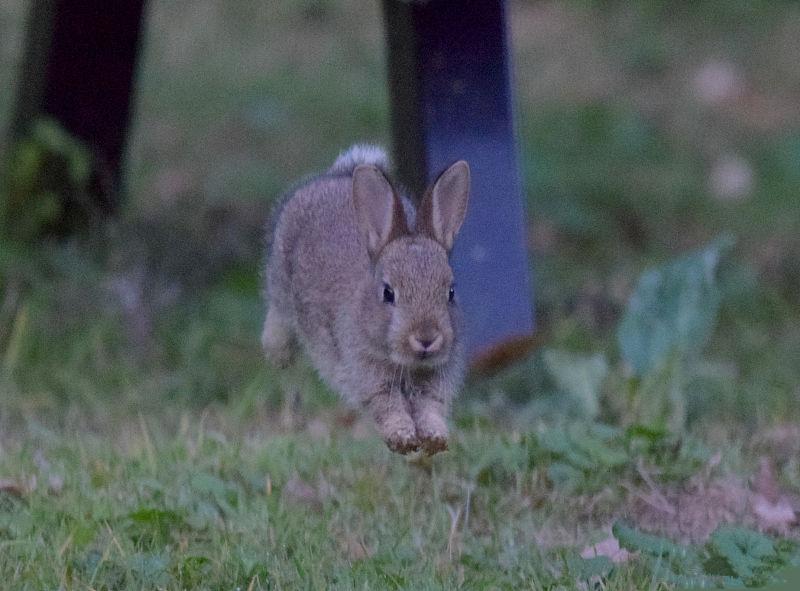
x=368, y=291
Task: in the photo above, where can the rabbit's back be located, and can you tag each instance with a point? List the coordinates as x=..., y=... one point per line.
x=316, y=263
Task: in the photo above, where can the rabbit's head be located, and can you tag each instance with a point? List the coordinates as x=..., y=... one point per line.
x=411, y=294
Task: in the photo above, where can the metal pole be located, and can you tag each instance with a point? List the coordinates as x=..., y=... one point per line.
x=450, y=87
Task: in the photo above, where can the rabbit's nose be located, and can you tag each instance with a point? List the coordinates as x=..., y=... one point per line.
x=426, y=344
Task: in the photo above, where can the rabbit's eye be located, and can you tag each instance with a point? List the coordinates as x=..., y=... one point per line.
x=451, y=295
x=388, y=294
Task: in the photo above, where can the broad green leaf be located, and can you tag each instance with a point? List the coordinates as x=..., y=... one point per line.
x=635, y=540
x=603, y=454
x=578, y=451
x=208, y=483
x=558, y=442
x=156, y=517
x=155, y=524
x=579, y=377
x=586, y=568
x=744, y=550
x=660, y=397
x=648, y=433
x=673, y=308
x=217, y=489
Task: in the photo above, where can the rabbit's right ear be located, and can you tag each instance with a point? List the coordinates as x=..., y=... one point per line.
x=444, y=206
x=378, y=211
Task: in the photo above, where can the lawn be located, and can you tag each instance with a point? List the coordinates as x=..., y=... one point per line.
x=652, y=439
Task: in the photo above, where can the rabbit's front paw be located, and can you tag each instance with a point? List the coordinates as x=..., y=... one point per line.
x=402, y=441
x=432, y=433
x=434, y=444
x=394, y=423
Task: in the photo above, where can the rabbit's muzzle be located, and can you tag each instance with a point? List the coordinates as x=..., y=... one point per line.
x=427, y=345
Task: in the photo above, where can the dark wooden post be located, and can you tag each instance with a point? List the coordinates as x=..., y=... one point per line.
x=78, y=68
x=449, y=79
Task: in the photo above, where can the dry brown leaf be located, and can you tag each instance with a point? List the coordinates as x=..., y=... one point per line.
x=609, y=548
x=300, y=492
x=12, y=487
x=55, y=484
x=700, y=506
x=765, y=483
x=771, y=508
x=782, y=441
x=774, y=516
x=355, y=549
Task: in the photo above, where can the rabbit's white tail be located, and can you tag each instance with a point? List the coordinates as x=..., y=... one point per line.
x=360, y=154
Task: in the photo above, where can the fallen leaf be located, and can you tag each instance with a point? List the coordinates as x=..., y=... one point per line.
x=355, y=549
x=699, y=505
x=765, y=483
x=609, y=548
x=771, y=507
x=717, y=81
x=782, y=441
x=775, y=516
x=299, y=492
x=731, y=178
x=12, y=487
x=55, y=484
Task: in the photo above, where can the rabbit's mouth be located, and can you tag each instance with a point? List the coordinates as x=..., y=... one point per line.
x=420, y=360
x=425, y=357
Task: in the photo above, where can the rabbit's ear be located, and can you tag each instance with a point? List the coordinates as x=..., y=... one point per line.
x=445, y=204
x=378, y=211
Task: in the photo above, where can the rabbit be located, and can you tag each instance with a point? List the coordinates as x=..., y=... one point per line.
x=361, y=281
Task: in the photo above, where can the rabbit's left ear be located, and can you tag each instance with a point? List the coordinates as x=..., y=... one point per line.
x=379, y=213
x=445, y=204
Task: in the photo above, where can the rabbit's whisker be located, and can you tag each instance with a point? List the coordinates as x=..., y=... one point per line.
x=394, y=377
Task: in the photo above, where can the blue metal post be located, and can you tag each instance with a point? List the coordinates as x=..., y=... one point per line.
x=449, y=78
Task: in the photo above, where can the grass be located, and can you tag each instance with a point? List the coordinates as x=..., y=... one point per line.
x=144, y=443
x=199, y=502
x=199, y=509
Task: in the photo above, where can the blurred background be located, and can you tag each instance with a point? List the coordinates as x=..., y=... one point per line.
x=646, y=130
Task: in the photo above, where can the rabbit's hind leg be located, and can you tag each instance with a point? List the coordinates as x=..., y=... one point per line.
x=278, y=338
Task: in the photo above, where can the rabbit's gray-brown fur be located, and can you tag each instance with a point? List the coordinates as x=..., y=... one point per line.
x=362, y=281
